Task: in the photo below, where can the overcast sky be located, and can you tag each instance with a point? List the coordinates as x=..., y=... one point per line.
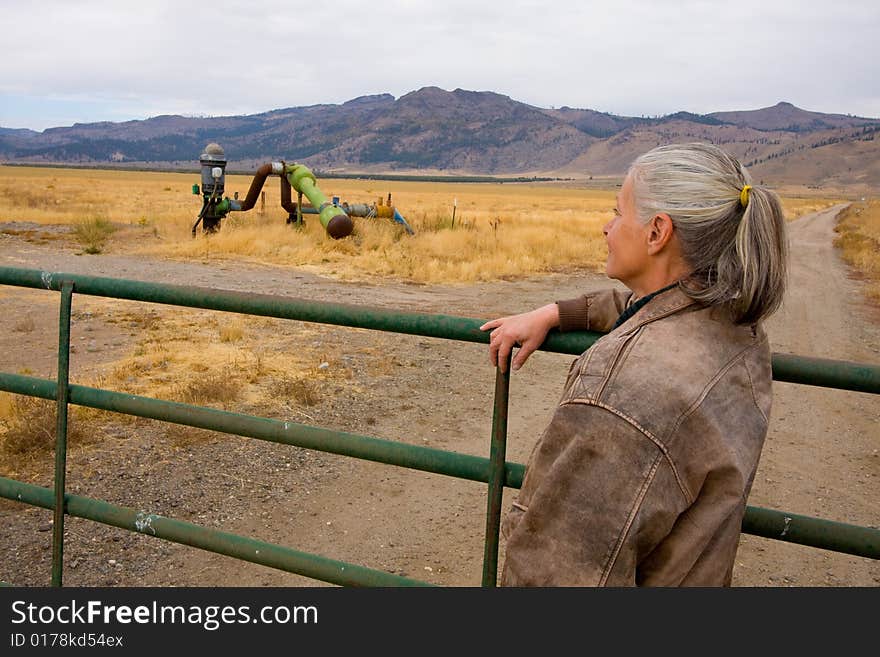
x=68, y=61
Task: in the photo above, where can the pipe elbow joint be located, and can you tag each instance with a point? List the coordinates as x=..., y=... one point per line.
x=336, y=222
x=297, y=173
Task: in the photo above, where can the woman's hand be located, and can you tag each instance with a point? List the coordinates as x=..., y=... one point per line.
x=527, y=330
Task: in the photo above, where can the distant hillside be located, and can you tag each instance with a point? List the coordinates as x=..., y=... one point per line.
x=478, y=132
x=468, y=132
x=787, y=117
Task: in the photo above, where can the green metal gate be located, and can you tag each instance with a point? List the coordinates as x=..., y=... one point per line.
x=494, y=470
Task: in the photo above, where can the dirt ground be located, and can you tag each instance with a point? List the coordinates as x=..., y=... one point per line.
x=821, y=457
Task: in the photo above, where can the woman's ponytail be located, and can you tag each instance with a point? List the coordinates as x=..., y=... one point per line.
x=762, y=250
x=732, y=234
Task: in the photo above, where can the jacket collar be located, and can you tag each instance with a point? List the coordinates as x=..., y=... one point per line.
x=665, y=303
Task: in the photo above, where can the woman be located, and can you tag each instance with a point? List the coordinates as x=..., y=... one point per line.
x=641, y=477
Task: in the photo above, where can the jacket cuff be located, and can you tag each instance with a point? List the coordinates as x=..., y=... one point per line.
x=574, y=314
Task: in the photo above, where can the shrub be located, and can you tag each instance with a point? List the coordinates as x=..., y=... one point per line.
x=30, y=424
x=217, y=387
x=93, y=233
x=302, y=391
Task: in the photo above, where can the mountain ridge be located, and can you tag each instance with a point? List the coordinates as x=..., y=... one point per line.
x=471, y=133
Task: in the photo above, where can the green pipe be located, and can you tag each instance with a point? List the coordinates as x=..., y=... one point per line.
x=855, y=376
x=61, y=432
x=232, y=545
x=332, y=217
x=497, y=453
x=266, y=305
x=223, y=207
x=416, y=457
x=828, y=373
x=824, y=372
x=815, y=532
x=860, y=541
x=841, y=374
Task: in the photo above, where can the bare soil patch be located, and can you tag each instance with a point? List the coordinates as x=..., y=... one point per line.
x=821, y=457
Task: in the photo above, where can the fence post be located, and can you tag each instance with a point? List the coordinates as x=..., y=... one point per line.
x=497, y=456
x=61, y=396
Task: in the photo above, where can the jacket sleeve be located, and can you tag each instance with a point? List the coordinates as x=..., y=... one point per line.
x=598, y=496
x=596, y=311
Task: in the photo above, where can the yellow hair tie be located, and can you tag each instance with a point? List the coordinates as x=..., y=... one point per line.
x=744, y=196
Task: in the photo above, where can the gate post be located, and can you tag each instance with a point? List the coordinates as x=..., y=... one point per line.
x=61, y=396
x=497, y=456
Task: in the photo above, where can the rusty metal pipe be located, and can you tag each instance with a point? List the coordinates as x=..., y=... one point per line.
x=256, y=185
x=286, y=198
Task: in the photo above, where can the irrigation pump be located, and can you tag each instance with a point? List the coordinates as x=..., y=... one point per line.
x=334, y=216
x=213, y=162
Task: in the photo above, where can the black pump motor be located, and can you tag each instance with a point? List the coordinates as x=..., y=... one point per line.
x=213, y=162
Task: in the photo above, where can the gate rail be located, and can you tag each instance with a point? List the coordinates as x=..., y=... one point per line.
x=494, y=470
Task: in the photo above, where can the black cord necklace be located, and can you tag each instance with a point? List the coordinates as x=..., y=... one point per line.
x=634, y=308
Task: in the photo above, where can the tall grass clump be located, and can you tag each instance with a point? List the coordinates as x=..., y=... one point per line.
x=232, y=332
x=93, y=233
x=858, y=237
x=27, y=426
x=300, y=389
x=219, y=387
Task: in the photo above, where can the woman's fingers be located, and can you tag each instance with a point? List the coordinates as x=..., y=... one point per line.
x=495, y=338
x=493, y=351
x=526, y=331
x=500, y=346
x=507, y=333
x=504, y=349
x=522, y=356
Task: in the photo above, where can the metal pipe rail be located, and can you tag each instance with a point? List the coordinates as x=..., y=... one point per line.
x=827, y=373
x=496, y=471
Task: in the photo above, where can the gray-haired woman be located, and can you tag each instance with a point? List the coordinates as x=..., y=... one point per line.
x=642, y=476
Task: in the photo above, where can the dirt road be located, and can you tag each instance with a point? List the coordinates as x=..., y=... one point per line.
x=821, y=457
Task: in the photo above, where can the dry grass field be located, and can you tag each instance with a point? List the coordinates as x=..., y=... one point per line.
x=229, y=361
x=500, y=231
x=859, y=240
x=137, y=225
x=497, y=231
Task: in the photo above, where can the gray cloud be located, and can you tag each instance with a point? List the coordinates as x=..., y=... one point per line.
x=93, y=60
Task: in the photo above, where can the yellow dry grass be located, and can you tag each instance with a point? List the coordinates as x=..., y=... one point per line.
x=209, y=358
x=28, y=429
x=796, y=207
x=859, y=239
x=186, y=356
x=500, y=231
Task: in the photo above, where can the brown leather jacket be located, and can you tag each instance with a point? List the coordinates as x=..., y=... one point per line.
x=642, y=476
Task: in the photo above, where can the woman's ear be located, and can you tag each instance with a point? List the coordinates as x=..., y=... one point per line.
x=660, y=231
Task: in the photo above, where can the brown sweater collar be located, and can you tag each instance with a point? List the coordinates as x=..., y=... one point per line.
x=657, y=304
